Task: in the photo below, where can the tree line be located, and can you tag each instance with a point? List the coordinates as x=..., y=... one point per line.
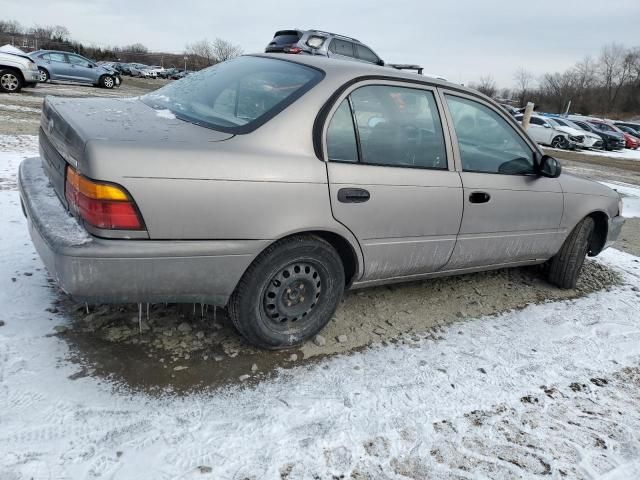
x=198, y=55
x=607, y=85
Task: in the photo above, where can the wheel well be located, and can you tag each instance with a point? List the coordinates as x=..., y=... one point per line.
x=344, y=249
x=15, y=70
x=599, y=236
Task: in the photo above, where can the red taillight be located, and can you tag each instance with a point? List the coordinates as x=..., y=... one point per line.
x=293, y=50
x=102, y=205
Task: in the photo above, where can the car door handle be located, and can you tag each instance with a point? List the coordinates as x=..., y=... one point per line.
x=353, y=195
x=479, y=197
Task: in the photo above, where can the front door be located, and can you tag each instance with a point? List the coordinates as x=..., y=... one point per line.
x=57, y=66
x=510, y=213
x=390, y=179
x=82, y=69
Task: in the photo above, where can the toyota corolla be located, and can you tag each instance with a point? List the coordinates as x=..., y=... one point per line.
x=269, y=185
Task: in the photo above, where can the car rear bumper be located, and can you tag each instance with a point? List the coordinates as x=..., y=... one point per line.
x=97, y=270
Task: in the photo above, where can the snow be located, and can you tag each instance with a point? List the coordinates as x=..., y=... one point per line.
x=626, y=154
x=164, y=113
x=485, y=398
x=630, y=198
x=13, y=149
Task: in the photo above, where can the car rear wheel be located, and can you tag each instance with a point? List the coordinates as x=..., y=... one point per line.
x=289, y=293
x=44, y=75
x=10, y=81
x=107, y=81
x=565, y=267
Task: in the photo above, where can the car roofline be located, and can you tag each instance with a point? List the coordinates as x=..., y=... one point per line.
x=367, y=70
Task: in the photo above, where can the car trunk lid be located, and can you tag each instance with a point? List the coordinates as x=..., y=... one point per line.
x=68, y=124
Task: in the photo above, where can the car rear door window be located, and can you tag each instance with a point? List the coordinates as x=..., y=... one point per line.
x=341, y=47
x=56, y=57
x=366, y=54
x=487, y=143
x=536, y=121
x=399, y=126
x=341, y=135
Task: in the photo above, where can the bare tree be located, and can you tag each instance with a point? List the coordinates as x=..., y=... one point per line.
x=11, y=27
x=524, y=81
x=135, y=48
x=60, y=33
x=224, y=50
x=487, y=86
x=616, y=68
x=200, y=54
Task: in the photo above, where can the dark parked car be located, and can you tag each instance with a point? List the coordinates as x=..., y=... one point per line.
x=632, y=125
x=611, y=140
x=629, y=130
x=71, y=67
x=317, y=42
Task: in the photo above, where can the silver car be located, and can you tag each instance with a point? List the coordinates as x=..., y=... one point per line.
x=269, y=185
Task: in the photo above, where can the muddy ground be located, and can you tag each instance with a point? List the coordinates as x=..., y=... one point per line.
x=185, y=347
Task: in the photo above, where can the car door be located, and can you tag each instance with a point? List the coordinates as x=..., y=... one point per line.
x=57, y=66
x=511, y=214
x=344, y=49
x=391, y=181
x=540, y=130
x=82, y=70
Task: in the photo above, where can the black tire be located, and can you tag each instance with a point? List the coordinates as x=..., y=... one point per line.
x=559, y=142
x=289, y=293
x=565, y=267
x=10, y=80
x=107, y=81
x=44, y=75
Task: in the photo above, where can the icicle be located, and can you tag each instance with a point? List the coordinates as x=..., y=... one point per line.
x=86, y=306
x=140, y=316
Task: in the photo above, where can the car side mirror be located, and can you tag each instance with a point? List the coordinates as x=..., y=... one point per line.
x=546, y=125
x=90, y=65
x=549, y=167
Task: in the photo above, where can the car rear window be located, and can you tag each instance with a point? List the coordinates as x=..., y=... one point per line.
x=285, y=38
x=236, y=96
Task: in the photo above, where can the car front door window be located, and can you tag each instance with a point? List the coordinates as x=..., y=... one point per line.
x=487, y=143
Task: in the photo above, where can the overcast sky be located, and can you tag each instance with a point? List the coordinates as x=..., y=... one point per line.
x=460, y=39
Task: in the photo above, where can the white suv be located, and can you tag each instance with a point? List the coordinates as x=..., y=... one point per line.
x=16, y=71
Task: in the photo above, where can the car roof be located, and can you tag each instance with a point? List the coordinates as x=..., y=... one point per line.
x=355, y=69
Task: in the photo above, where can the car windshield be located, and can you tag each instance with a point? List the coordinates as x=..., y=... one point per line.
x=238, y=95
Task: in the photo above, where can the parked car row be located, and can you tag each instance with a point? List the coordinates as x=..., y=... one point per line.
x=71, y=67
x=577, y=131
x=148, y=71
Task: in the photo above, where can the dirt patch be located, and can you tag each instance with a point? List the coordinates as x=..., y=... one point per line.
x=191, y=346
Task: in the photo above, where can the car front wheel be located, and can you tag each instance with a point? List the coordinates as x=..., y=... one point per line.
x=107, y=81
x=10, y=81
x=289, y=293
x=559, y=142
x=565, y=267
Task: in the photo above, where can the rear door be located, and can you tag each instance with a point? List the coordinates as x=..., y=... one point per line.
x=510, y=213
x=57, y=65
x=391, y=180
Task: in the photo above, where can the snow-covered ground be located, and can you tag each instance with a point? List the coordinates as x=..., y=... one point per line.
x=626, y=154
x=551, y=390
x=630, y=198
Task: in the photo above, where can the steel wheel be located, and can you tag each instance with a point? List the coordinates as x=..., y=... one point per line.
x=10, y=82
x=292, y=294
